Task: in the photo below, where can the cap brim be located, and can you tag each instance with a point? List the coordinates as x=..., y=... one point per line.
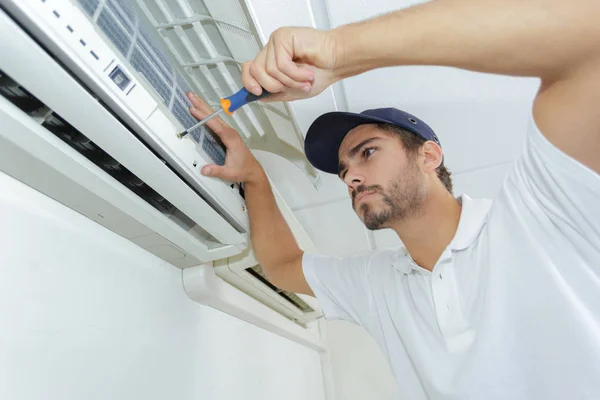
x=325, y=135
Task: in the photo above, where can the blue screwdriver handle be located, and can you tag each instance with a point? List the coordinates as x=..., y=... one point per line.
x=239, y=99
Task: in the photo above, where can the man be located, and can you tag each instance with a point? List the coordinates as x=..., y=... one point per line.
x=486, y=301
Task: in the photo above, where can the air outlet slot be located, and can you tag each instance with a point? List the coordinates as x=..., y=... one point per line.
x=54, y=123
x=18, y=95
x=292, y=298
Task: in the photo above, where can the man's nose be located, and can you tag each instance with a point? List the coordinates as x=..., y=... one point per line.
x=353, y=179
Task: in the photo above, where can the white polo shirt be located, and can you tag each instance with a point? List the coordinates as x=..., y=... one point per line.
x=511, y=310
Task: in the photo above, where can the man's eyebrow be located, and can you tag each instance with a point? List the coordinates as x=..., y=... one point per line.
x=357, y=148
x=353, y=151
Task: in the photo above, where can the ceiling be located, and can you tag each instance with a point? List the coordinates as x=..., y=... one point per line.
x=481, y=121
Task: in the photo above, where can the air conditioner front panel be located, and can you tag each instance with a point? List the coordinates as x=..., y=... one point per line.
x=31, y=154
x=135, y=102
x=59, y=90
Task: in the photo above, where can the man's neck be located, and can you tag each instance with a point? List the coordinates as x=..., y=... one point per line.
x=427, y=234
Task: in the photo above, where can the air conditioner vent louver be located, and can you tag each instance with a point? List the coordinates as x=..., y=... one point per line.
x=18, y=95
x=54, y=123
x=258, y=273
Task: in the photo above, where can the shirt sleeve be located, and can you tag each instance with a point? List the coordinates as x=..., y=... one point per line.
x=340, y=285
x=561, y=193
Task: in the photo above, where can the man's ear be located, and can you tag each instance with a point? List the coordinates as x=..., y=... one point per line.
x=433, y=156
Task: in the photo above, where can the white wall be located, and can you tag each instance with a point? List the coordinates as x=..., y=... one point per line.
x=85, y=314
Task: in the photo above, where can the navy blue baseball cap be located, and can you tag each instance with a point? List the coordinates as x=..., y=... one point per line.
x=325, y=135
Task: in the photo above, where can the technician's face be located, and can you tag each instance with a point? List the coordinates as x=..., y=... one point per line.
x=385, y=184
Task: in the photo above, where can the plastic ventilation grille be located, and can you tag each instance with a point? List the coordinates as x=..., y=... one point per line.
x=141, y=63
x=125, y=14
x=235, y=28
x=120, y=23
x=115, y=31
x=213, y=148
x=210, y=50
x=88, y=6
x=258, y=273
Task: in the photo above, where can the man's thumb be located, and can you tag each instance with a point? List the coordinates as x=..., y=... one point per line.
x=216, y=171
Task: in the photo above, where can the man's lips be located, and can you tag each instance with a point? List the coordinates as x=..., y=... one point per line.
x=361, y=196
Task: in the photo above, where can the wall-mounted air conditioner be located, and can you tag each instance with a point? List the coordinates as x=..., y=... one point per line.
x=92, y=94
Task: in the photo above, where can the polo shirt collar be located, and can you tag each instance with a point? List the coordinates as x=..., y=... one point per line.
x=473, y=218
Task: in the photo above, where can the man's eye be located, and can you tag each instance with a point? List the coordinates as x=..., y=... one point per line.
x=368, y=151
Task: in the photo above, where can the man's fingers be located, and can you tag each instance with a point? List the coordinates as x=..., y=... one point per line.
x=303, y=76
x=216, y=124
x=249, y=82
x=200, y=110
x=199, y=103
x=218, y=171
x=258, y=71
x=284, y=58
x=274, y=71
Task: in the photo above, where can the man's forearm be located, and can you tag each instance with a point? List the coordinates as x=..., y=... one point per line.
x=272, y=240
x=542, y=38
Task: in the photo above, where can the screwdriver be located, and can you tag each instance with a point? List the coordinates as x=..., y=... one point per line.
x=229, y=106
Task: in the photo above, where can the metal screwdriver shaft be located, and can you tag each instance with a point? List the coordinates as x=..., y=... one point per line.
x=199, y=124
x=229, y=105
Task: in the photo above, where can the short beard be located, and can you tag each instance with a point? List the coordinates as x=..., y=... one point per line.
x=404, y=200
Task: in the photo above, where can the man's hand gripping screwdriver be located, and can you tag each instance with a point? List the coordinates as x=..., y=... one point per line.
x=229, y=105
